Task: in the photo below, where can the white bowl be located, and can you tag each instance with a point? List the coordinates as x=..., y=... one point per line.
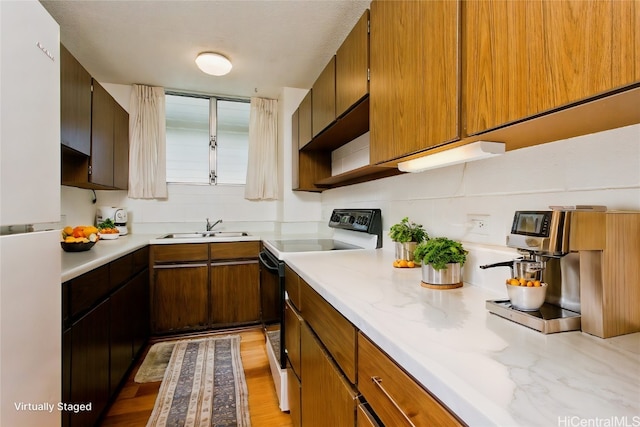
x=527, y=298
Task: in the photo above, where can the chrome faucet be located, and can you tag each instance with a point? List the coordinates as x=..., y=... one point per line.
x=210, y=226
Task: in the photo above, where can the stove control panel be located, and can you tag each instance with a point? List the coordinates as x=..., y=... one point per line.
x=363, y=220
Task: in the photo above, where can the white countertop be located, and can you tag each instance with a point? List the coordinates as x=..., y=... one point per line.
x=76, y=263
x=486, y=369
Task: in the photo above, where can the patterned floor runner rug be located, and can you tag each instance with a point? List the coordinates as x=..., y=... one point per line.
x=204, y=385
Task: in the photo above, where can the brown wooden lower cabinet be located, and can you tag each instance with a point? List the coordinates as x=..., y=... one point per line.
x=197, y=286
x=394, y=396
x=295, y=395
x=292, y=325
x=180, y=297
x=90, y=365
x=105, y=321
x=235, y=292
x=328, y=398
x=337, y=334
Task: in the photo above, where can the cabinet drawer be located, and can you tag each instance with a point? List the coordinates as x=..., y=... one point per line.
x=292, y=322
x=140, y=259
x=86, y=290
x=180, y=253
x=336, y=333
x=121, y=270
x=394, y=396
x=292, y=286
x=234, y=250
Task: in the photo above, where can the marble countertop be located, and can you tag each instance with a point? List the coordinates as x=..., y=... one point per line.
x=486, y=369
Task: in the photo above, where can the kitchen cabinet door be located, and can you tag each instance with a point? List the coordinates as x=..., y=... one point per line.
x=140, y=310
x=305, y=132
x=327, y=396
x=75, y=104
x=180, y=295
x=323, y=101
x=121, y=336
x=102, y=116
x=120, y=147
x=235, y=292
x=90, y=364
x=66, y=373
x=414, y=76
x=626, y=42
x=556, y=54
x=129, y=325
x=292, y=324
x=294, y=393
x=352, y=66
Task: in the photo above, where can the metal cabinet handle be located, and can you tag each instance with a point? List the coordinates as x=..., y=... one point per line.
x=244, y=262
x=378, y=381
x=167, y=266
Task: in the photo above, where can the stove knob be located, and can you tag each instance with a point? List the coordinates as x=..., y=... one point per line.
x=351, y=219
x=335, y=218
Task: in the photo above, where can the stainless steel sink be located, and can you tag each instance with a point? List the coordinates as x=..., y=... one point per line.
x=205, y=234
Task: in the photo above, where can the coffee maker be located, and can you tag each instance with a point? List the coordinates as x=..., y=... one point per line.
x=542, y=239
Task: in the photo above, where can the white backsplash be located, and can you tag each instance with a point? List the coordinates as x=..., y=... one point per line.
x=602, y=168
x=350, y=156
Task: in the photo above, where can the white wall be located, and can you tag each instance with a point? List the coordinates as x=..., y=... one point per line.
x=602, y=168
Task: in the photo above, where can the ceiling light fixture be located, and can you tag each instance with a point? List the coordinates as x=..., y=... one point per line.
x=213, y=63
x=465, y=153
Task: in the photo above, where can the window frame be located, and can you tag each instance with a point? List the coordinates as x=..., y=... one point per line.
x=213, y=132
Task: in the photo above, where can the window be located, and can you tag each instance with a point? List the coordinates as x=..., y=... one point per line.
x=207, y=139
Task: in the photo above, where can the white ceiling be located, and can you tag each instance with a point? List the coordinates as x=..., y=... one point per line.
x=272, y=44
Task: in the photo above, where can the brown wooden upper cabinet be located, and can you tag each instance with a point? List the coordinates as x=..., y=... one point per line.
x=75, y=104
x=352, y=66
x=414, y=87
x=323, y=101
x=120, y=147
x=305, y=133
x=109, y=141
x=529, y=57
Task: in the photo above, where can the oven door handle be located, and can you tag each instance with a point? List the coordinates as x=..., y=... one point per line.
x=264, y=260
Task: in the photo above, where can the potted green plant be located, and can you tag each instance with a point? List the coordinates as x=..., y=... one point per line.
x=442, y=260
x=406, y=236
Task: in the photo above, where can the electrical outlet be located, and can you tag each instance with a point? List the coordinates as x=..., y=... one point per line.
x=478, y=224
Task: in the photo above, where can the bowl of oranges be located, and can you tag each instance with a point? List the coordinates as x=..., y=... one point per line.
x=526, y=295
x=79, y=239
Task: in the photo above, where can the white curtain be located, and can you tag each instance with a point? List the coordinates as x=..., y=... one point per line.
x=262, y=167
x=147, y=143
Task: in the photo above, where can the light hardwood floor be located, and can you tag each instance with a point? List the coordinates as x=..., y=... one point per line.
x=135, y=402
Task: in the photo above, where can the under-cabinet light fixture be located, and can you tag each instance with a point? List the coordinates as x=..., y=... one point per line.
x=213, y=63
x=465, y=153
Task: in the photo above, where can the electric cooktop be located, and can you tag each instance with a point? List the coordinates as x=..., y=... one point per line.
x=311, y=245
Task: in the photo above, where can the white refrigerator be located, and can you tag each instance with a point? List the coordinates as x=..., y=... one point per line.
x=30, y=291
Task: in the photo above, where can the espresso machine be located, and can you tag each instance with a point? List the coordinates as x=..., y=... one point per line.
x=542, y=239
